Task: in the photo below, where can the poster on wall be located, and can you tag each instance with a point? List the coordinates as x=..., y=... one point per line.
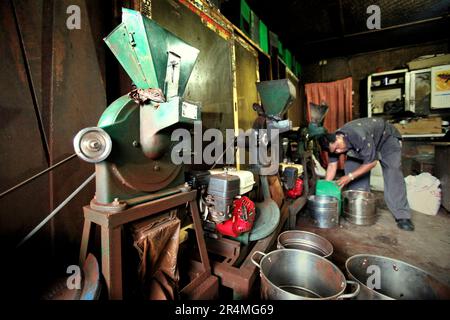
x=440, y=87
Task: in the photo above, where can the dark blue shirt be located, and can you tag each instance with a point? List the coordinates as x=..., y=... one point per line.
x=364, y=138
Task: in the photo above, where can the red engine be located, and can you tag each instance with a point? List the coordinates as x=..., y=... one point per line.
x=242, y=219
x=296, y=191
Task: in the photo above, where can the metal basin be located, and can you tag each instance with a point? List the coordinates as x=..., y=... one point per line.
x=397, y=279
x=359, y=207
x=307, y=241
x=324, y=211
x=289, y=274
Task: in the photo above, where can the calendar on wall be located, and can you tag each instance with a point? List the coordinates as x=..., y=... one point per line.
x=440, y=87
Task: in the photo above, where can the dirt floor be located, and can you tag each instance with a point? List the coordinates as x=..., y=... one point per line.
x=428, y=247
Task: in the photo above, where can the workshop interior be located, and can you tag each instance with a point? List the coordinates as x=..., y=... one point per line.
x=225, y=150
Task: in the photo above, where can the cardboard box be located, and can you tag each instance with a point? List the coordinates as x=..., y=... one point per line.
x=421, y=126
x=429, y=62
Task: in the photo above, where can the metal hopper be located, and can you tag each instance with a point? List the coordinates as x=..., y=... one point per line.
x=276, y=96
x=147, y=52
x=318, y=112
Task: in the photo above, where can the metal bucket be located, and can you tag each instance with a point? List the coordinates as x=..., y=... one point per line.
x=324, y=211
x=307, y=241
x=289, y=274
x=397, y=279
x=360, y=207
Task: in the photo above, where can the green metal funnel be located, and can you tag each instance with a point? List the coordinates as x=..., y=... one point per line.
x=318, y=112
x=276, y=96
x=143, y=48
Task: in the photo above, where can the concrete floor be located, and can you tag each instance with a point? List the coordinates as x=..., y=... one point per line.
x=428, y=247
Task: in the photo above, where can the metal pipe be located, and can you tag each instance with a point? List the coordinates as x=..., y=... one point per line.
x=54, y=212
x=36, y=176
x=151, y=197
x=265, y=187
x=223, y=153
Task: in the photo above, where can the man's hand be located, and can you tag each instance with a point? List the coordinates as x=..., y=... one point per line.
x=342, y=182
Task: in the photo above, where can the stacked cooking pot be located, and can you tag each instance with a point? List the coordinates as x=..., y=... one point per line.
x=299, y=270
x=359, y=207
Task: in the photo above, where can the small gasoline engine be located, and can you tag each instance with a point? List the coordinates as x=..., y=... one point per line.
x=291, y=178
x=226, y=203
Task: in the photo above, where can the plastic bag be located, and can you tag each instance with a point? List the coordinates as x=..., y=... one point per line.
x=424, y=194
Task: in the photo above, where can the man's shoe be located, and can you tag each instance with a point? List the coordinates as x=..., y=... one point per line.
x=405, y=224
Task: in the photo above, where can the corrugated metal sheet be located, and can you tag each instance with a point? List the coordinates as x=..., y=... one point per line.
x=65, y=76
x=21, y=149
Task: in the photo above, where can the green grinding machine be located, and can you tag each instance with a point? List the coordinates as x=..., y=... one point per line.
x=131, y=145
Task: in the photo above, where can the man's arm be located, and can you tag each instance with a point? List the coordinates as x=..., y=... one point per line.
x=331, y=170
x=362, y=169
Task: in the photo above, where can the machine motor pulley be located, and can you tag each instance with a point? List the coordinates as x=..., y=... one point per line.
x=92, y=144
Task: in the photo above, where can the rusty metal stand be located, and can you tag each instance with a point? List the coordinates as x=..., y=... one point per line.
x=204, y=286
x=299, y=204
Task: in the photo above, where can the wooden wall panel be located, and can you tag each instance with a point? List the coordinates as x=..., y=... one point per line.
x=246, y=78
x=296, y=112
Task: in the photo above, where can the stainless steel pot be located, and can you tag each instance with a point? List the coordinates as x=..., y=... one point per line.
x=289, y=274
x=324, y=211
x=307, y=241
x=359, y=207
x=396, y=279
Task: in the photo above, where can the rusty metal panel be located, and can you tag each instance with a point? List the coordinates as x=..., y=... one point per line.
x=295, y=112
x=31, y=29
x=35, y=38
x=246, y=78
x=78, y=101
x=211, y=80
x=21, y=148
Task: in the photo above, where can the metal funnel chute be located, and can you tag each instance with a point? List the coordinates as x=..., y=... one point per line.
x=276, y=96
x=318, y=112
x=149, y=52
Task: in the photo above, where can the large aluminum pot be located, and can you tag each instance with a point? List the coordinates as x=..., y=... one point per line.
x=290, y=274
x=304, y=240
x=396, y=279
x=324, y=211
x=359, y=207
